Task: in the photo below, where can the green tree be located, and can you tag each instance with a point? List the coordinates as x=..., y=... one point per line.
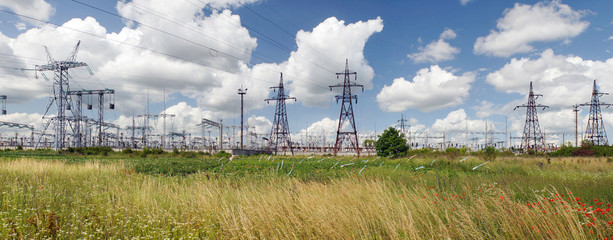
x=391, y=143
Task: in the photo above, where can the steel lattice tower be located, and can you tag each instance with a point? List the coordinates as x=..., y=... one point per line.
x=533, y=137
x=595, y=131
x=60, y=95
x=346, y=115
x=280, y=134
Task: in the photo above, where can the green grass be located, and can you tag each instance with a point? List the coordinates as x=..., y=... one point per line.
x=166, y=195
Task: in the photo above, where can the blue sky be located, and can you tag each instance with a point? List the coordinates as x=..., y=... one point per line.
x=446, y=65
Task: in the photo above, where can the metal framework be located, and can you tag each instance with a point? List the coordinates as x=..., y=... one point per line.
x=77, y=112
x=209, y=123
x=280, y=134
x=533, y=138
x=59, y=93
x=595, y=131
x=346, y=115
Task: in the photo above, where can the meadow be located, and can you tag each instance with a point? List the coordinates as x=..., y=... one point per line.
x=45, y=194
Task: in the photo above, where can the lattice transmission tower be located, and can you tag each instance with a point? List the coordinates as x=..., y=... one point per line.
x=280, y=134
x=346, y=115
x=59, y=94
x=532, y=138
x=595, y=131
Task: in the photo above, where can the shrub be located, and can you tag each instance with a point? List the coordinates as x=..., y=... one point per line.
x=126, y=151
x=222, y=154
x=489, y=153
x=391, y=143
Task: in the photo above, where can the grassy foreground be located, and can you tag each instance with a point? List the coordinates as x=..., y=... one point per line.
x=301, y=197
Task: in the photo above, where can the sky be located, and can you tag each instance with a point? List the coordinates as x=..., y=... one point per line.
x=446, y=66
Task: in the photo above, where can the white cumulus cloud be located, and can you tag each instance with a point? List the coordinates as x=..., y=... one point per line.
x=563, y=80
x=431, y=89
x=525, y=24
x=437, y=51
x=39, y=9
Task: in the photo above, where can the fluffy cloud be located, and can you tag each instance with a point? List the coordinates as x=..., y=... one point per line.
x=431, y=89
x=437, y=51
x=524, y=24
x=39, y=9
x=458, y=121
x=261, y=124
x=209, y=68
x=325, y=127
x=563, y=80
x=33, y=119
x=310, y=69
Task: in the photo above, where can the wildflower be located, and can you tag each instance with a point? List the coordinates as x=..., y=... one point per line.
x=501, y=198
x=595, y=200
x=41, y=187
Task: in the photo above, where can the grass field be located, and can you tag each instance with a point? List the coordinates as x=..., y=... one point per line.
x=47, y=195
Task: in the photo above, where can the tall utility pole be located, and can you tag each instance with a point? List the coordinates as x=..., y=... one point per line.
x=533, y=137
x=280, y=134
x=595, y=131
x=346, y=115
x=3, y=104
x=242, y=92
x=59, y=93
x=576, y=110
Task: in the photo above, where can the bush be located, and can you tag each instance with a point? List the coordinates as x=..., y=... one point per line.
x=222, y=154
x=104, y=151
x=19, y=147
x=391, y=144
x=489, y=153
x=126, y=151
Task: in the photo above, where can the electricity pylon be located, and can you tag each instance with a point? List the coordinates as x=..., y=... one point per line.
x=280, y=134
x=533, y=137
x=595, y=131
x=59, y=93
x=346, y=115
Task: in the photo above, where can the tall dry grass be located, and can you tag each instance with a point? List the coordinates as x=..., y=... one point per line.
x=41, y=199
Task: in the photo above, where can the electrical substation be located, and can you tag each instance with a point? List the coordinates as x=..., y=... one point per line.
x=76, y=118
